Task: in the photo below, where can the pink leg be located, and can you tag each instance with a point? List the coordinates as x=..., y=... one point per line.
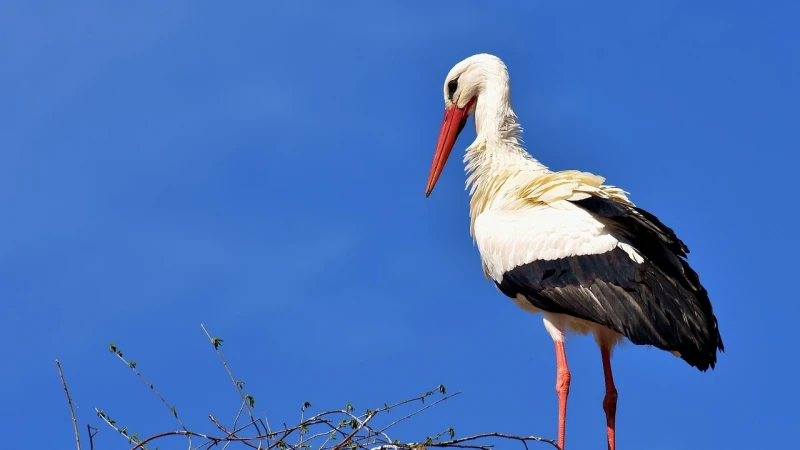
x=610, y=400
x=562, y=389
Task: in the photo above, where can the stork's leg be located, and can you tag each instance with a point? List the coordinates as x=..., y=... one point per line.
x=562, y=389
x=610, y=400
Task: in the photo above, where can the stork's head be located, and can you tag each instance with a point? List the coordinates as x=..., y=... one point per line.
x=462, y=87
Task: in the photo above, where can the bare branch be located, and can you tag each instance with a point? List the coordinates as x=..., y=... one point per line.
x=235, y=421
x=231, y=433
x=71, y=408
x=89, y=430
x=364, y=424
x=523, y=439
x=408, y=416
x=172, y=433
x=362, y=432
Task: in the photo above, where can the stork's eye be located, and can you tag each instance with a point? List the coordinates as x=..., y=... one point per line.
x=451, y=87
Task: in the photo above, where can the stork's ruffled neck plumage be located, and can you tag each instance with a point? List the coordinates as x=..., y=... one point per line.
x=497, y=159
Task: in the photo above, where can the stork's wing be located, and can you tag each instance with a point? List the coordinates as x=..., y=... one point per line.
x=604, y=261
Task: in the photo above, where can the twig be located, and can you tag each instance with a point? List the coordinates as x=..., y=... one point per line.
x=523, y=439
x=410, y=415
x=122, y=431
x=302, y=420
x=235, y=421
x=132, y=365
x=89, y=429
x=173, y=433
x=71, y=408
x=355, y=438
x=233, y=379
x=312, y=437
x=362, y=425
x=239, y=414
x=231, y=433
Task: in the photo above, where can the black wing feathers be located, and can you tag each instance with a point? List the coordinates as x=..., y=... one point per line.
x=658, y=302
x=645, y=232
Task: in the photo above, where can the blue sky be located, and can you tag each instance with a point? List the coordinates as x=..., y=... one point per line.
x=260, y=166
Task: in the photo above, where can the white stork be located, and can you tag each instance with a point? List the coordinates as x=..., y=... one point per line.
x=567, y=246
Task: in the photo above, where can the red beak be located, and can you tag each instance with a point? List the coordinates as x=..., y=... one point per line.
x=454, y=120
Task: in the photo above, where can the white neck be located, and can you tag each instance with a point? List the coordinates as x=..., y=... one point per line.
x=497, y=155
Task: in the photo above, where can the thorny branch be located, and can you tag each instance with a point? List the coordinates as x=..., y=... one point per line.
x=337, y=429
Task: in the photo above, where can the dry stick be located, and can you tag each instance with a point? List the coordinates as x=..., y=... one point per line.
x=316, y=419
x=453, y=443
x=523, y=439
x=215, y=440
x=238, y=414
x=408, y=416
x=363, y=424
x=462, y=442
x=233, y=379
x=371, y=432
x=71, y=409
x=302, y=419
x=335, y=429
x=173, y=433
x=235, y=421
x=230, y=433
x=89, y=429
x=312, y=437
x=420, y=398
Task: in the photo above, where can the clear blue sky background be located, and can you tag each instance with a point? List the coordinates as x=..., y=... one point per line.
x=260, y=167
